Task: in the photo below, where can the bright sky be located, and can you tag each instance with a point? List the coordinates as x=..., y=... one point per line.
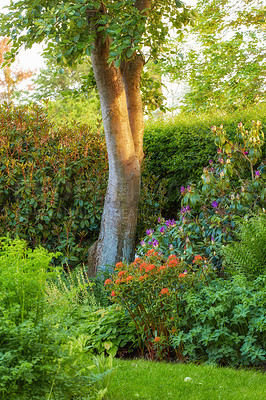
x=29, y=59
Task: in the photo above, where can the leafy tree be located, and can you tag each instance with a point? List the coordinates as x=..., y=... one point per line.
x=71, y=92
x=120, y=36
x=224, y=61
x=11, y=77
x=54, y=81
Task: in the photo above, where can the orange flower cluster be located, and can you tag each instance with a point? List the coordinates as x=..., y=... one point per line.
x=118, y=265
x=165, y=291
x=142, y=277
x=150, y=267
x=151, y=252
x=108, y=281
x=157, y=339
x=197, y=258
x=182, y=275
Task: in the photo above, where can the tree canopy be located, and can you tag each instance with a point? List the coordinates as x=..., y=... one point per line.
x=69, y=28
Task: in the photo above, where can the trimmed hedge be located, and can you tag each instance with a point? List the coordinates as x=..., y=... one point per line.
x=179, y=149
x=53, y=182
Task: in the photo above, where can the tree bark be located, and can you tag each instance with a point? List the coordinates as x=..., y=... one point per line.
x=123, y=124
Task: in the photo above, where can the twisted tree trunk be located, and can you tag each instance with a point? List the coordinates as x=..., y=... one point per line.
x=121, y=105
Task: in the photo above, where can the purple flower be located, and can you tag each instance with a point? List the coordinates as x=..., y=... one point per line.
x=257, y=174
x=210, y=161
x=162, y=230
x=219, y=151
x=159, y=219
x=187, y=239
x=155, y=243
x=149, y=232
x=160, y=253
x=188, y=189
x=214, y=204
x=182, y=190
x=171, y=247
x=170, y=222
x=185, y=210
x=212, y=238
x=150, y=242
x=143, y=244
x=246, y=153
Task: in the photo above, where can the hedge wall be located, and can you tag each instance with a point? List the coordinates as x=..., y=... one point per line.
x=53, y=182
x=179, y=149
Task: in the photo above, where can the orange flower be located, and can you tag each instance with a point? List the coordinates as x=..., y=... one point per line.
x=121, y=273
x=137, y=260
x=129, y=278
x=157, y=339
x=172, y=257
x=143, y=266
x=149, y=252
x=162, y=267
x=196, y=258
x=141, y=278
x=165, y=291
x=113, y=293
x=172, y=263
x=173, y=330
x=182, y=275
x=150, y=267
x=118, y=281
x=108, y=282
x=119, y=265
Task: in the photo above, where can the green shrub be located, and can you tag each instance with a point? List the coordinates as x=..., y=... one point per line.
x=224, y=323
x=38, y=359
x=248, y=254
x=150, y=290
x=228, y=190
x=180, y=148
x=53, y=182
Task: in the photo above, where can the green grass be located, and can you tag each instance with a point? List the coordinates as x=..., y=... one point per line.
x=145, y=380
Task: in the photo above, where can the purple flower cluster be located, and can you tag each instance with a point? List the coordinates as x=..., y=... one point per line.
x=154, y=243
x=162, y=230
x=184, y=190
x=257, y=174
x=170, y=223
x=215, y=204
x=184, y=210
x=149, y=232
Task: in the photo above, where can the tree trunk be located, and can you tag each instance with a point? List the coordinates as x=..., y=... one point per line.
x=123, y=124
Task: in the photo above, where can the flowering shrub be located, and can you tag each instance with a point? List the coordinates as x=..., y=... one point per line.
x=209, y=210
x=151, y=289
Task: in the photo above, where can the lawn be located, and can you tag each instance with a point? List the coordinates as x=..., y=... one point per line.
x=145, y=380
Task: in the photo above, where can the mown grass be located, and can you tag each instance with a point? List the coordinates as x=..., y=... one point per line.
x=145, y=380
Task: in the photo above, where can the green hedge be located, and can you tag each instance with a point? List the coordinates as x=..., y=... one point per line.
x=53, y=182
x=179, y=149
